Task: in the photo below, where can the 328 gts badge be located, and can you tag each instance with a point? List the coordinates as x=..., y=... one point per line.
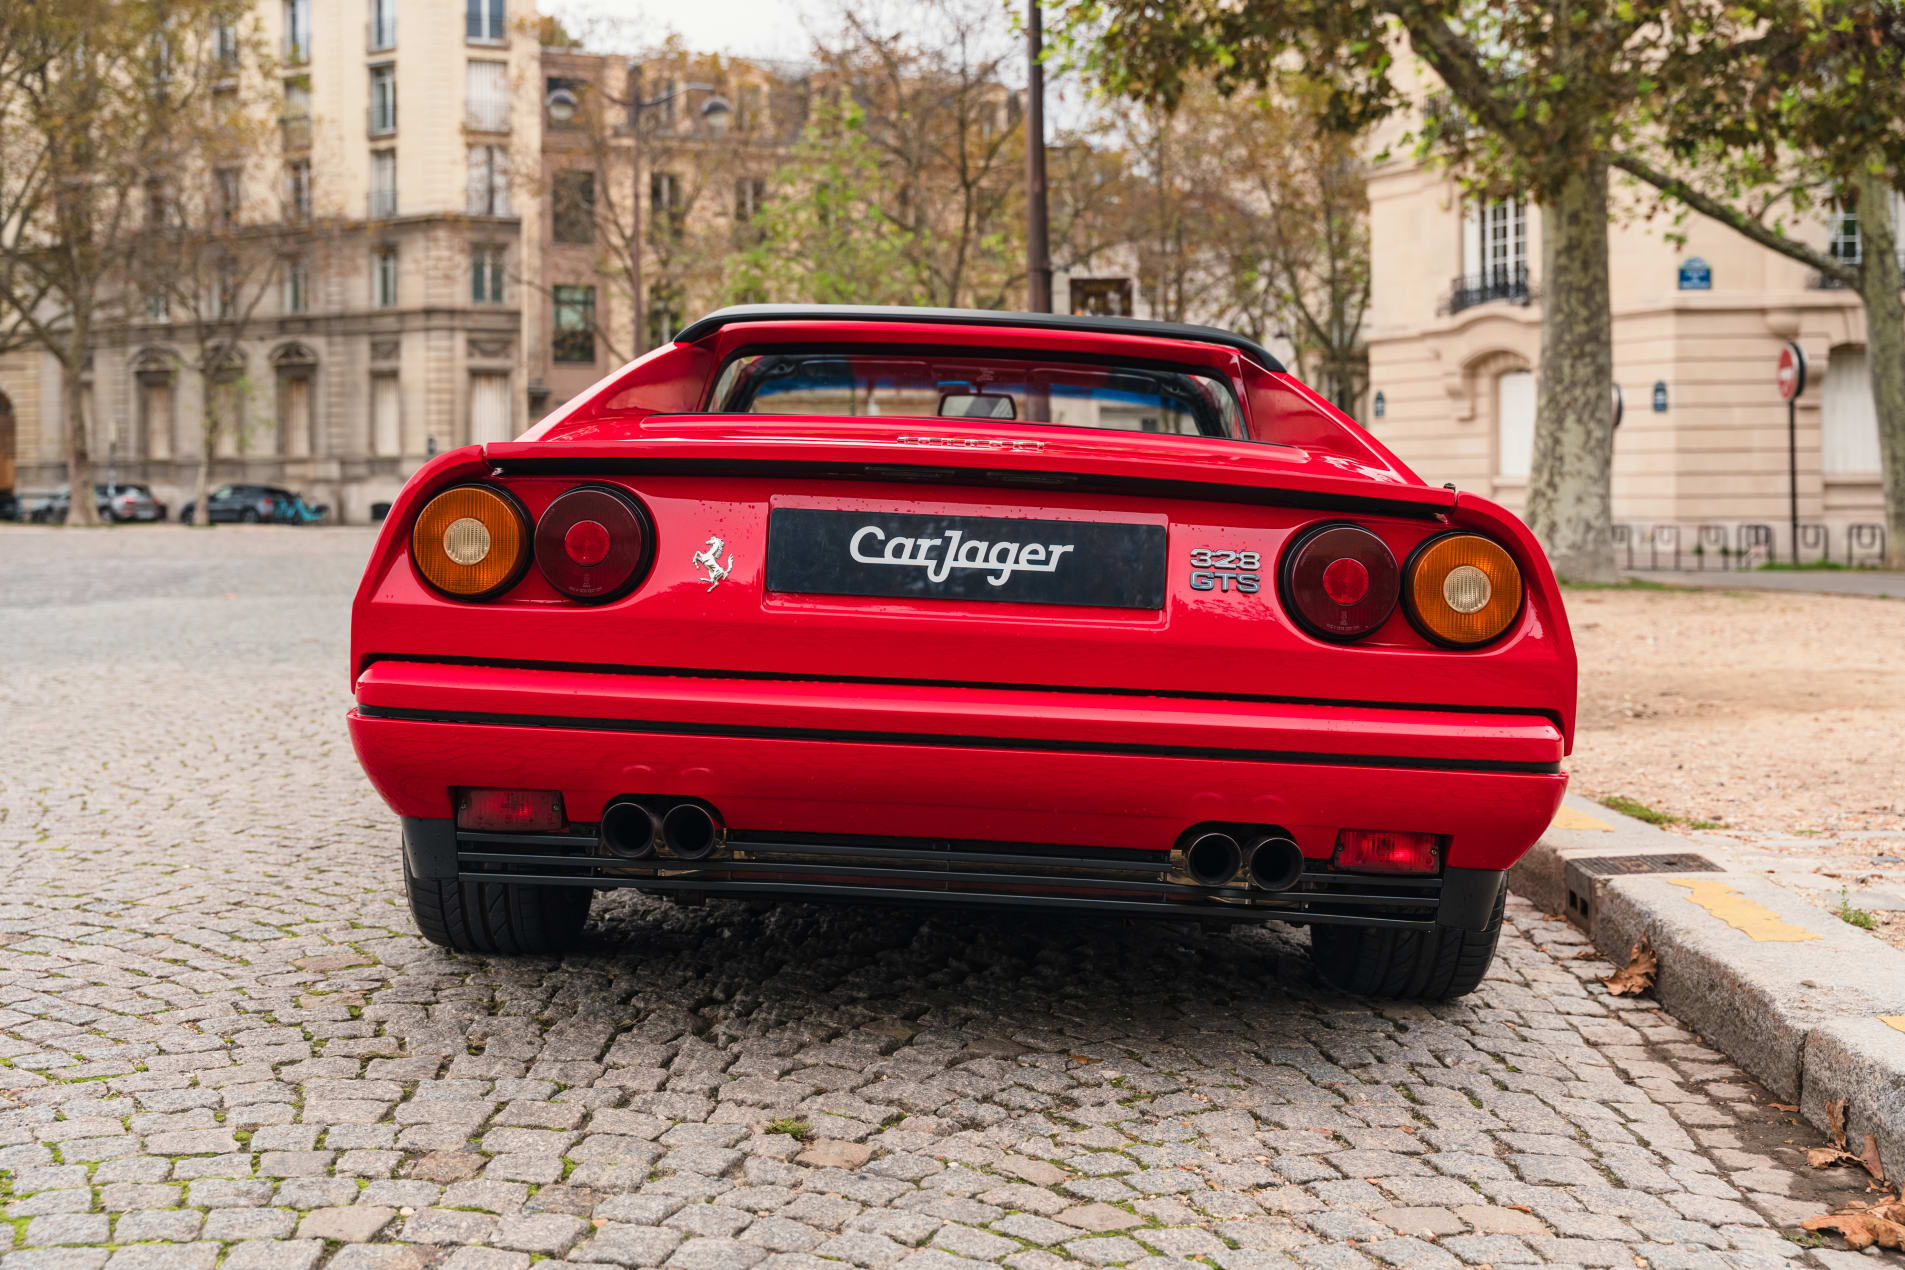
x=1213, y=570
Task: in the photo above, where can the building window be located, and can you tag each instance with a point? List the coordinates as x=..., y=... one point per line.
x=487, y=93
x=226, y=285
x=228, y=195
x=384, y=278
x=489, y=408
x=226, y=38
x=386, y=416
x=572, y=214
x=297, y=179
x=664, y=316
x=1514, y=424
x=664, y=206
x=1848, y=419
x=574, y=335
x=297, y=31
x=750, y=193
x=747, y=108
x=383, y=25
x=486, y=273
x=489, y=181
x=297, y=285
x=383, y=184
x=158, y=307
x=297, y=98
x=383, y=100
x=485, y=21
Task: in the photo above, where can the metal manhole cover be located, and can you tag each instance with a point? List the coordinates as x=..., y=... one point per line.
x=1672, y=862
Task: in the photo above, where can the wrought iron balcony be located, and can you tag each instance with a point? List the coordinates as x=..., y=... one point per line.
x=1485, y=288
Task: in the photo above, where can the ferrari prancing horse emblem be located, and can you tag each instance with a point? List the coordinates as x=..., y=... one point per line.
x=709, y=559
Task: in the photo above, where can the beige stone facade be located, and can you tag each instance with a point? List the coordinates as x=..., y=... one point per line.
x=384, y=351
x=1454, y=344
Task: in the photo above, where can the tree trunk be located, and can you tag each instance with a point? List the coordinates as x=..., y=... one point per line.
x=1570, y=502
x=208, y=430
x=1879, y=285
x=81, y=510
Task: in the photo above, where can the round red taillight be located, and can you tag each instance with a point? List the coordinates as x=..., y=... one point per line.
x=593, y=543
x=1340, y=581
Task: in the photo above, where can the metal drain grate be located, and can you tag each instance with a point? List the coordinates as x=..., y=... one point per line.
x=1585, y=875
x=1602, y=866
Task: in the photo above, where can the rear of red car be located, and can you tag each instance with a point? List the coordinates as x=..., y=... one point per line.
x=939, y=607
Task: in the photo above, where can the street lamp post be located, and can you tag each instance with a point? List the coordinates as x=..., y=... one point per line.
x=715, y=105
x=1038, y=247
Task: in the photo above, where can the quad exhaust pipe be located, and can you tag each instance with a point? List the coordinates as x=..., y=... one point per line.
x=630, y=830
x=1266, y=861
x=635, y=831
x=1212, y=859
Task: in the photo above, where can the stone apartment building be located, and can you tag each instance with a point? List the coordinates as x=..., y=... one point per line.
x=429, y=296
x=1454, y=349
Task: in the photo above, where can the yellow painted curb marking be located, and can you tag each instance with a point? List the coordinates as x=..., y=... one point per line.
x=1569, y=818
x=1893, y=1021
x=1751, y=917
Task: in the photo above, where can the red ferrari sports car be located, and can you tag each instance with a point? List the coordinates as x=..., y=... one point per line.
x=938, y=606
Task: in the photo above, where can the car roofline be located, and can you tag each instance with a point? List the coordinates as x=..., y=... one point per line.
x=702, y=328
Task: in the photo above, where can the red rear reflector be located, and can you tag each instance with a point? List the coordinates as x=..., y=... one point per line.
x=510, y=810
x=1340, y=581
x=1384, y=851
x=594, y=543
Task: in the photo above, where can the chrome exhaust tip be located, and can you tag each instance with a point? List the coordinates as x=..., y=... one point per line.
x=690, y=831
x=1212, y=859
x=629, y=830
x=1276, y=864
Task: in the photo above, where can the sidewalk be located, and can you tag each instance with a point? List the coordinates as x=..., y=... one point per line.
x=1811, y=1006
x=1872, y=582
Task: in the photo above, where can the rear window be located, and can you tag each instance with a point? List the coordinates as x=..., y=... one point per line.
x=962, y=386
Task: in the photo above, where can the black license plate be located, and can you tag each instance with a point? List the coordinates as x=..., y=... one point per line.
x=816, y=552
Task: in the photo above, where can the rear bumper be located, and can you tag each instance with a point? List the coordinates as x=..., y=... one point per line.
x=944, y=763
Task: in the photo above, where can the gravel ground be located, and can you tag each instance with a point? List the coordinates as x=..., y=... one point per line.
x=1782, y=717
x=221, y=1043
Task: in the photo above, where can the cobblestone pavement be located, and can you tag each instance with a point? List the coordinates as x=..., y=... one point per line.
x=222, y=1044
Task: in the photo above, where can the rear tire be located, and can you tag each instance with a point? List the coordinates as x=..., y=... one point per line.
x=504, y=918
x=1433, y=964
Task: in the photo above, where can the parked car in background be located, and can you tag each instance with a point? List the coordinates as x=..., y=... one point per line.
x=129, y=501
x=255, y=504
x=1093, y=615
x=9, y=505
x=114, y=501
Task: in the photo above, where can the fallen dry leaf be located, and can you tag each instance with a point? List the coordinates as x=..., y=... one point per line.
x=1637, y=976
x=1862, y=1227
x=1870, y=1159
x=1829, y=1157
x=1785, y=1106
x=1835, y=1120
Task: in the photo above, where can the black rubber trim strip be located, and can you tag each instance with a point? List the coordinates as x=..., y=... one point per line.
x=429, y=847
x=983, y=899
x=769, y=676
x=921, y=469
x=1468, y=898
x=701, y=328
x=668, y=728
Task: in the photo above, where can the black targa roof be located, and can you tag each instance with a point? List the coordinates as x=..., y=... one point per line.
x=701, y=328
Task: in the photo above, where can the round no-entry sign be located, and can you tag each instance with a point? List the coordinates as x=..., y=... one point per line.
x=1791, y=376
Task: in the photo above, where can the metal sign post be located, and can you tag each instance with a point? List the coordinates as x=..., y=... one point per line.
x=1790, y=378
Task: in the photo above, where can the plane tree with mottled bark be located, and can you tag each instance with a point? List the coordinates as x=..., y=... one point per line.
x=1767, y=133
x=90, y=92
x=1534, y=98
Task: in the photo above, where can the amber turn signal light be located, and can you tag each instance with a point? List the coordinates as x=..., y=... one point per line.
x=471, y=542
x=1463, y=590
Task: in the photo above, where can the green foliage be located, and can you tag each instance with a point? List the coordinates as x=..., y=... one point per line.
x=1642, y=812
x=1854, y=916
x=799, y=1130
x=830, y=243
